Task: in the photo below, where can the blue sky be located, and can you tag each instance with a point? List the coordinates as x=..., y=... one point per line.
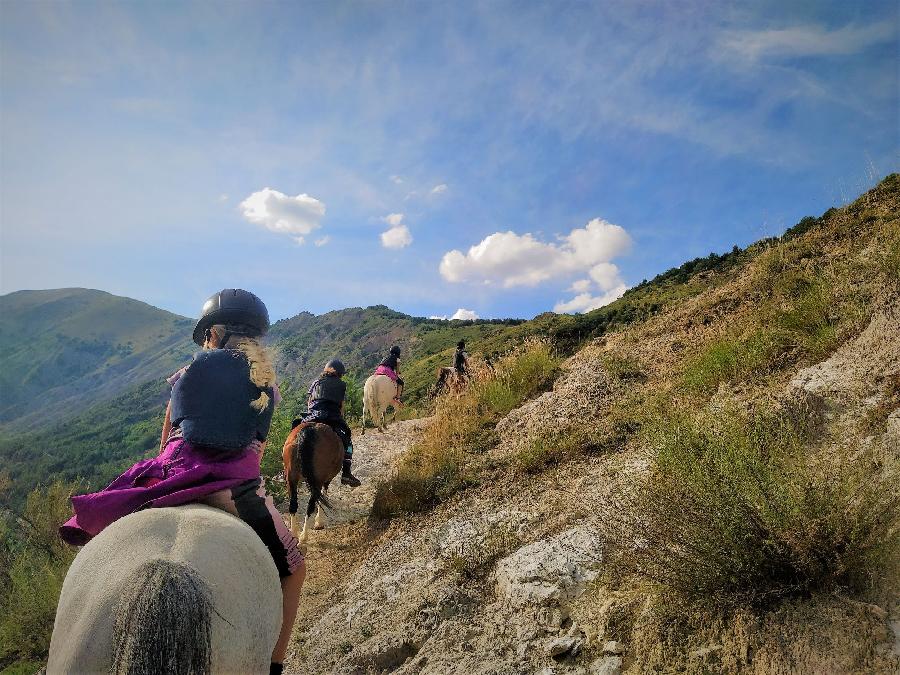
x=505, y=158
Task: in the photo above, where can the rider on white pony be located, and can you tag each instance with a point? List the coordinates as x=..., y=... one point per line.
x=325, y=404
x=390, y=366
x=213, y=438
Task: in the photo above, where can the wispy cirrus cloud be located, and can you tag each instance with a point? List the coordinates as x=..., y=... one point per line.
x=277, y=212
x=806, y=40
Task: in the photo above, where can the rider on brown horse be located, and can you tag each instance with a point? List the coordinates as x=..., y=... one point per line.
x=326, y=404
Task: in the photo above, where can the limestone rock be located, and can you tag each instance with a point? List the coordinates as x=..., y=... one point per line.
x=608, y=665
x=550, y=571
x=562, y=646
x=613, y=647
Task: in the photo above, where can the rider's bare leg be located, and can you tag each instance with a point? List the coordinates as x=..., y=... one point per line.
x=290, y=591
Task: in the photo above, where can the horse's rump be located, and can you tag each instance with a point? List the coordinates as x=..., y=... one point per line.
x=378, y=394
x=315, y=452
x=194, y=567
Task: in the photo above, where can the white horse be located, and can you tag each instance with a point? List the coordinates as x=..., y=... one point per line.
x=378, y=394
x=189, y=589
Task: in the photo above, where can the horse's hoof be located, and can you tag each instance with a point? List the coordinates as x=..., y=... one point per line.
x=318, y=527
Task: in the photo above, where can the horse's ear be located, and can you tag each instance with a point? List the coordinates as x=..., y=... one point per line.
x=296, y=423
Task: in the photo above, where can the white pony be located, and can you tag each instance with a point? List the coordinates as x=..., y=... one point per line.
x=378, y=394
x=189, y=589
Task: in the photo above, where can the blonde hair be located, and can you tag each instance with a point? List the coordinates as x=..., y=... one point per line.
x=262, y=371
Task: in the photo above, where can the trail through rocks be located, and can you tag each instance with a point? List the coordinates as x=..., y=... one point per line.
x=333, y=553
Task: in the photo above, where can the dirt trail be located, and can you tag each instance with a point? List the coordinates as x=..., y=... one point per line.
x=334, y=552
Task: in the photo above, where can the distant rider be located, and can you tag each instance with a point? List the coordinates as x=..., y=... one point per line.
x=461, y=361
x=326, y=405
x=390, y=367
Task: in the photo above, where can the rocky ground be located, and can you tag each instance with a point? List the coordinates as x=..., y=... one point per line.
x=499, y=579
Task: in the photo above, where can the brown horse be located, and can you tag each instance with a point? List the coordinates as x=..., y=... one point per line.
x=447, y=380
x=315, y=453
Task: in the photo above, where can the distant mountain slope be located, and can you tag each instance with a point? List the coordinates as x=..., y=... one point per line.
x=67, y=349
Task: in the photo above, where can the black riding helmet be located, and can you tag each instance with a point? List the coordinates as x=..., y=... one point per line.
x=395, y=350
x=233, y=307
x=461, y=344
x=337, y=366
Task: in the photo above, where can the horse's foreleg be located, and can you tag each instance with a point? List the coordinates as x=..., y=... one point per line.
x=318, y=525
x=363, y=416
x=304, y=533
x=292, y=507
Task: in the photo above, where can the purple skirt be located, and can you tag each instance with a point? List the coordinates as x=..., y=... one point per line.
x=182, y=473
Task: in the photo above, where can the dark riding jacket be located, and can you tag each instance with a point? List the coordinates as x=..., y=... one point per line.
x=459, y=362
x=325, y=398
x=211, y=402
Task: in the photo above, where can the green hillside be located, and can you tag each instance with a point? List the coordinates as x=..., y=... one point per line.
x=67, y=349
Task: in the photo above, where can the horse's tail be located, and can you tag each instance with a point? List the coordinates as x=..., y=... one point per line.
x=161, y=622
x=306, y=448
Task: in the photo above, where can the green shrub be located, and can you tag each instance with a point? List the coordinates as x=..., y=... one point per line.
x=33, y=563
x=552, y=447
x=623, y=367
x=799, y=321
x=732, y=513
x=890, y=260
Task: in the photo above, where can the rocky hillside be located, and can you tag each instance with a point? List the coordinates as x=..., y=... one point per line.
x=601, y=530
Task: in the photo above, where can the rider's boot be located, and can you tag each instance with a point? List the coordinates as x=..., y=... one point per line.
x=348, y=478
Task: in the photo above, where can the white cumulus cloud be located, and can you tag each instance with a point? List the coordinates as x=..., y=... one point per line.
x=322, y=240
x=581, y=286
x=464, y=314
x=605, y=276
x=295, y=216
x=398, y=234
x=585, y=302
x=439, y=189
x=511, y=259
